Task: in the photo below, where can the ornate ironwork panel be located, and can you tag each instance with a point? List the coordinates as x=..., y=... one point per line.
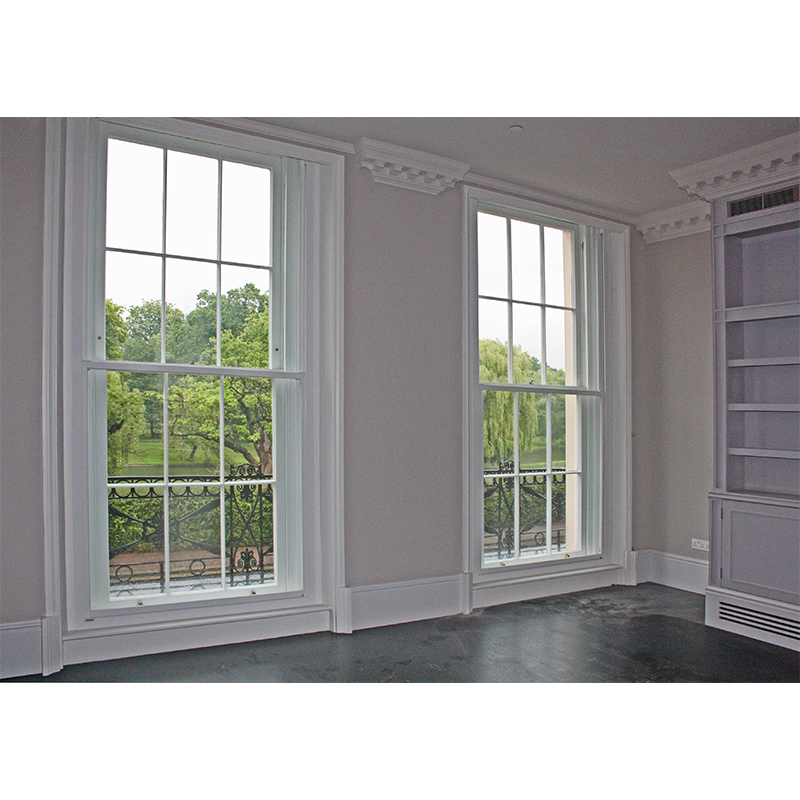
x=137, y=562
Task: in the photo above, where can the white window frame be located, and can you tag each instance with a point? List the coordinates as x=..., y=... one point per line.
x=496, y=582
x=73, y=156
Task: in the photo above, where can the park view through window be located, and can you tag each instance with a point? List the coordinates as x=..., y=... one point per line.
x=528, y=323
x=190, y=450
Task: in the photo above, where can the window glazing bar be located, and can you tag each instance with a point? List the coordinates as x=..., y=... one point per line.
x=187, y=258
x=538, y=388
x=194, y=369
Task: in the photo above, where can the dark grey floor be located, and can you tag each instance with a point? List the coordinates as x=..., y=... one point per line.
x=645, y=633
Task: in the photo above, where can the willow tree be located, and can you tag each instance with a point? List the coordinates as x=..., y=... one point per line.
x=498, y=406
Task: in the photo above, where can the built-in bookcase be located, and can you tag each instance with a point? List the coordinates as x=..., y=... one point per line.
x=760, y=321
x=755, y=507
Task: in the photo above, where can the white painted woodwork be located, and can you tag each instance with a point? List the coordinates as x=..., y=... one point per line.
x=410, y=169
x=670, y=223
x=754, y=564
x=747, y=170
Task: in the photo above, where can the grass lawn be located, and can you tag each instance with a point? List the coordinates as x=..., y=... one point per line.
x=146, y=459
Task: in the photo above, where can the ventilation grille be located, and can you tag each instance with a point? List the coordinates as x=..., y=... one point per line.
x=760, y=620
x=780, y=197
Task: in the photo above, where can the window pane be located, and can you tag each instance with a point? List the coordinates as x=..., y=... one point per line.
x=567, y=513
x=194, y=436
x=195, y=538
x=191, y=205
x=136, y=540
x=493, y=320
x=245, y=317
x=130, y=453
x=498, y=428
x=250, y=554
x=561, y=492
x=564, y=431
x=246, y=213
x=134, y=196
x=533, y=515
x=248, y=427
x=191, y=318
x=525, y=261
x=527, y=344
x=560, y=345
x=532, y=431
x=492, y=256
x=493, y=345
x=558, y=432
x=557, y=264
x=498, y=518
x=133, y=307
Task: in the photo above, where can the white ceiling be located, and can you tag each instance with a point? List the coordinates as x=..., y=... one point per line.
x=619, y=163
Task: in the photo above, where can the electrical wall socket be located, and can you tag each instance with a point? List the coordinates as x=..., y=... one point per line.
x=700, y=544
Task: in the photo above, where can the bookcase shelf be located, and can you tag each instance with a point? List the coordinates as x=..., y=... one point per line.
x=776, y=407
x=758, y=452
x=769, y=361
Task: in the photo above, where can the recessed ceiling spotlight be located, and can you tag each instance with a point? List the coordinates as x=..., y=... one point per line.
x=515, y=128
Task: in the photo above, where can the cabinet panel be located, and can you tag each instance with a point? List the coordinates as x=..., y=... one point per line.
x=761, y=550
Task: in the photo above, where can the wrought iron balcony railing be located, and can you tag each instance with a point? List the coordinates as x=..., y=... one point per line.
x=499, y=512
x=138, y=562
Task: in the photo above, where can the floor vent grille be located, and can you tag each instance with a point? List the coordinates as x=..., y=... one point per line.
x=760, y=620
x=758, y=202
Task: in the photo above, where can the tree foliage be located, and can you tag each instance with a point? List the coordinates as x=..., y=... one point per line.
x=498, y=406
x=193, y=400
x=125, y=410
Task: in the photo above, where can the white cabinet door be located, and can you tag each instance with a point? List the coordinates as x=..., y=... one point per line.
x=761, y=550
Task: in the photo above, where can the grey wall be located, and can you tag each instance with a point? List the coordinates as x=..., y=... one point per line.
x=22, y=143
x=402, y=381
x=402, y=401
x=673, y=385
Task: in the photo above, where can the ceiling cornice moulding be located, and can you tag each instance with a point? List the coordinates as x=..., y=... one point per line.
x=670, y=223
x=753, y=168
x=411, y=169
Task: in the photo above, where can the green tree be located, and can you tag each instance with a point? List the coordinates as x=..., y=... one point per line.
x=498, y=406
x=125, y=411
x=116, y=331
x=125, y=418
x=194, y=400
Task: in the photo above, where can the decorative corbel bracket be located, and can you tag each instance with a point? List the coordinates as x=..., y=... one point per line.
x=753, y=168
x=677, y=221
x=411, y=169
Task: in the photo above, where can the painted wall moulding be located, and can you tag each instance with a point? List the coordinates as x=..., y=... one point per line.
x=753, y=168
x=670, y=223
x=411, y=169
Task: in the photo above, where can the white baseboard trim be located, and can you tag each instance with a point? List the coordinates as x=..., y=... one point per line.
x=87, y=646
x=678, y=572
x=20, y=648
x=52, y=651
x=515, y=590
x=405, y=601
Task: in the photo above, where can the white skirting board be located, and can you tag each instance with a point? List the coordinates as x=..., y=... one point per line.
x=101, y=646
x=679, y=572
x=514, y=590
x=20, y=649
x=405, y=601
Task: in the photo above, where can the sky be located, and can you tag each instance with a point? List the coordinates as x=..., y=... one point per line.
x=135, y=211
